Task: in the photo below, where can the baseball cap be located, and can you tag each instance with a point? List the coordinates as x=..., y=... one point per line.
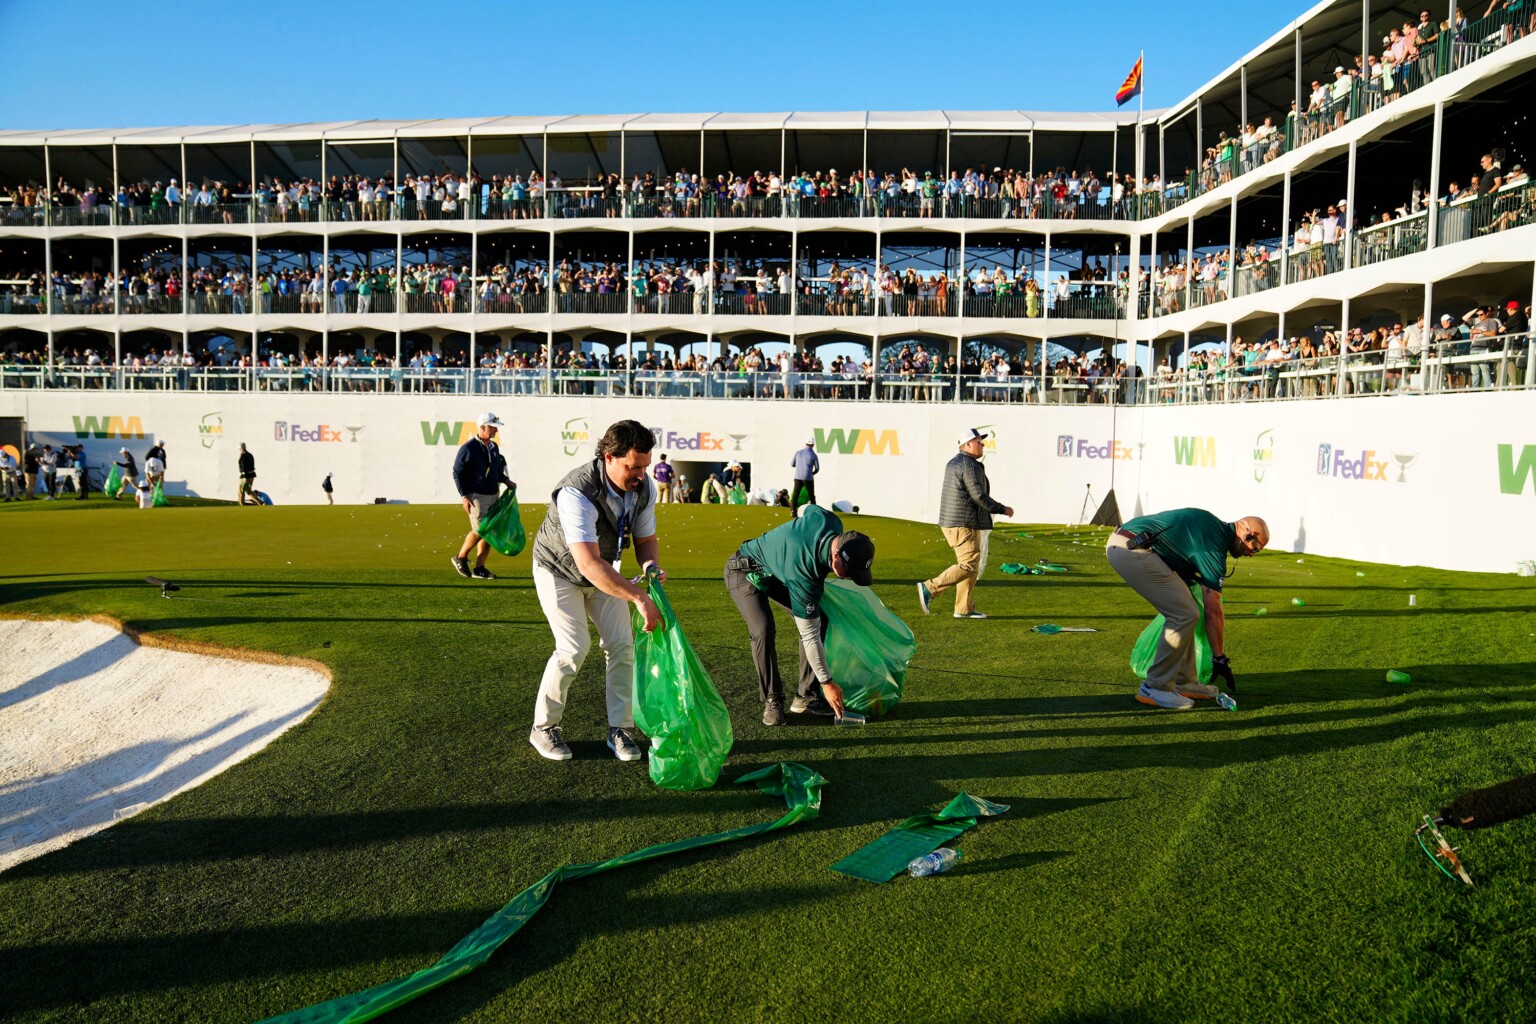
x=970, y=434
x=489, y=419
x=810, y=440
x=123, y=451
x=1512, y=304
x=858, y=554
x=1445, y=317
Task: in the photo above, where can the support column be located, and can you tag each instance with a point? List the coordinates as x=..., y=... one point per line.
x=1343, y=348
x=1433, y=204
x=1530, y=349
x=1287, y=242
x=1346, y=234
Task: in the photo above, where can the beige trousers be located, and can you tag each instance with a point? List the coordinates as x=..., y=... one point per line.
x=1149, y=576
x=962, y=575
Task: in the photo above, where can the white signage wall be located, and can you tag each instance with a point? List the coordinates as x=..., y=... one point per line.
x=1411, y=480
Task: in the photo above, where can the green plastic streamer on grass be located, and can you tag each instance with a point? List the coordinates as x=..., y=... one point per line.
x=886, y=857
x=157, y=499
x=676, y=704
x=798, y=785
x=868, y=648
x=114, y=484
x=502, y=529
x=1146, y=644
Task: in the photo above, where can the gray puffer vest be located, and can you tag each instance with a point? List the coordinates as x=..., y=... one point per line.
x=549, y=547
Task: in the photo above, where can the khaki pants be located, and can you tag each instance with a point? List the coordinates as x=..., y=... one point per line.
x=663, y=492
x=962, y=575
x=1150, y=577
x=568, y=607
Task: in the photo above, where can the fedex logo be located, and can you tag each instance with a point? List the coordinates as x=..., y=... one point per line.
x=701, y=442
x=1335, y=462
x=284, y=431
x=1069, y=447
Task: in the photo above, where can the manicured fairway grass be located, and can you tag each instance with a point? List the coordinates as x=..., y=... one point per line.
x=1156, y=866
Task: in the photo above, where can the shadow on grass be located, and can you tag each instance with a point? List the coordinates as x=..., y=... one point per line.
x=1011, y=862
x=582, y=912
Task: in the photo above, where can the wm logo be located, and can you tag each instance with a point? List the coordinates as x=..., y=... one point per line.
x=108, y=426
x=438, y=432
x=1513, y=475
x=857, y=442
x=1194, y=451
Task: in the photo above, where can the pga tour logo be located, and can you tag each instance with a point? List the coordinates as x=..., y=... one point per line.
x=1368, y=465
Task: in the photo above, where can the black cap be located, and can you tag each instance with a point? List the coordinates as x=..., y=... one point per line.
x=857, y=553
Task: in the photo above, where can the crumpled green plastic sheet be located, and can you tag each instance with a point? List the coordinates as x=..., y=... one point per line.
x=737, y=496
x=888, y=856
x=1146, y=644
x=868, y=648
x=798, y=785
x=114, y=484
x=677, y=705
x=158, y=497
x=502, y=529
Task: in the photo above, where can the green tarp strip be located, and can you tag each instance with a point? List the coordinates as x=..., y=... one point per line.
x=798, y=785
x=888, y=856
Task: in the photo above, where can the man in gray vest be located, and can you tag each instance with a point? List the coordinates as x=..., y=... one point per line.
x=966, y=507
x=593, y=515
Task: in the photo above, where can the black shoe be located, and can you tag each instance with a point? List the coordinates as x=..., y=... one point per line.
x=460, y=565
x=482, y=573
x=773, y=711
x=812, y=706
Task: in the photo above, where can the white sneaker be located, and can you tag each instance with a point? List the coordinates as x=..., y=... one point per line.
x=970, y=615
x=1198, y=691
x=1163, y=699
x=549, y=743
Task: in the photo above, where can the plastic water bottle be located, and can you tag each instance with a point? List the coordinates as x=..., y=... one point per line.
x=935, y=863
x=1226, y=701
x=849, y=718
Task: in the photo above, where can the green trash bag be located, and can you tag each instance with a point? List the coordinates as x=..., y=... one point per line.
x=502, y=529
x=159, y=497
x=868, y=648
x=738, y=495
x=1146, y=644
x=801, y=497
x=114, y=485
x=676, y=703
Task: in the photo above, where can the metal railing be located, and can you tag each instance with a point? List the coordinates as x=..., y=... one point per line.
x=1403, y=236
x=1494, y=363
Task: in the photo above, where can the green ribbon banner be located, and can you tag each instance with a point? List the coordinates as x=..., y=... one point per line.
x=888, y=856
x=798, y=785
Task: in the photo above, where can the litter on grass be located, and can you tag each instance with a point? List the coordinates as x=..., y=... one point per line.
x=1398, y=676
x=1051, y=627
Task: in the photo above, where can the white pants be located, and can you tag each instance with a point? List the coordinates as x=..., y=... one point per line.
x=567, y=607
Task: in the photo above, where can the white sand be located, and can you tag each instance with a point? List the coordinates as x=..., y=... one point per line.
x=95, y=728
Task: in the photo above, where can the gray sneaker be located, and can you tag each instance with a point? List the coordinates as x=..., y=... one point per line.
x=460, y=566
x=970, y=615
x=549, y=744
x=773, y=711
x=623, y=745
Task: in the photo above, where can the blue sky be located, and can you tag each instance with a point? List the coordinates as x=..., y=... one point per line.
x=93, y=65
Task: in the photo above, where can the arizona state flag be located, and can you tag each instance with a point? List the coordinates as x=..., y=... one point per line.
x=1132, y=87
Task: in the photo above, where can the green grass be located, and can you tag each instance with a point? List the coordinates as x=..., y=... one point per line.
x=1156, y=866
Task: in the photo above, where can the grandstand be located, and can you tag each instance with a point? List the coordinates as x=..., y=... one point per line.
x=1344, y=211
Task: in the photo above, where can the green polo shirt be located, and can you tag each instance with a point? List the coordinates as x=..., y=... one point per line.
x=799, y=554
x=1194, y=543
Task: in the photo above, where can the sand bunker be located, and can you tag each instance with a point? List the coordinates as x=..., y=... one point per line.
x=95, y=728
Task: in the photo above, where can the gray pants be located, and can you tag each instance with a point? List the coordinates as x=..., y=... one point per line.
x=1150, y=577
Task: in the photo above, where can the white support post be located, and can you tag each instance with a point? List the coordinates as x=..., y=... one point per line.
x=1343, y=348
x=1346, y=235
x=1433, y=200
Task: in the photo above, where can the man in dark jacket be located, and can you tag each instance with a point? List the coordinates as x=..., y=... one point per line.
x=479, y=471
x=246, y=464
x=966, y=508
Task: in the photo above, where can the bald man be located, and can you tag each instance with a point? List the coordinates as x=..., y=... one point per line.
x=1161, y=556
